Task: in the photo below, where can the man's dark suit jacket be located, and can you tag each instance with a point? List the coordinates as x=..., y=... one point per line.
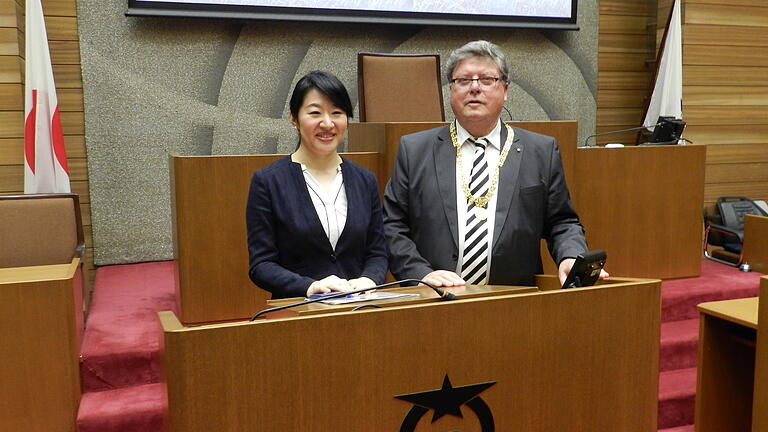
x=287, y=245
x=421, y=222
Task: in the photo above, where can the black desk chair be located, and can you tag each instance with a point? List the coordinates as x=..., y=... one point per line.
x=724, y=233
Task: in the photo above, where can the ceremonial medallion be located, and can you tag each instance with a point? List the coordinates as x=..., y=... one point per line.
x=481, y=213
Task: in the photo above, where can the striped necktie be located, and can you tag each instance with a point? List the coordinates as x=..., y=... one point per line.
x=474, y=268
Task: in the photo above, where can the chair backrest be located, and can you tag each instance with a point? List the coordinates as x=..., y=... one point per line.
x=733, y=209
x=399, y=88
x=40, y=229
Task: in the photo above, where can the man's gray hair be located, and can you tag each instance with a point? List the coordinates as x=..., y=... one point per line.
x=478, y=48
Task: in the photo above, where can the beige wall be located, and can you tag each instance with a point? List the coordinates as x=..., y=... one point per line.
x=61, y=24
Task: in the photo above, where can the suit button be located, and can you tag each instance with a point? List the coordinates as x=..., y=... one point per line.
x=333, y=257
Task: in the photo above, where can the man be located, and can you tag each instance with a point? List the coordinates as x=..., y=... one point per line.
x=469, y=202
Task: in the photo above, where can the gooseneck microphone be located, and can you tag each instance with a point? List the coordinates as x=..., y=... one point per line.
x=444, y=295
x=586, y=141
x=508, y=113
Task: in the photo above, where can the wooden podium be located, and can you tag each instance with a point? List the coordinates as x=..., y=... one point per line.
x=208, y=196
x=641, y=204
x=551, y=361
x=41, y=326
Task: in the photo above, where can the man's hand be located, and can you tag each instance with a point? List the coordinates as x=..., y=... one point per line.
x=565, y=267
x=328, y=284
x=443, y=278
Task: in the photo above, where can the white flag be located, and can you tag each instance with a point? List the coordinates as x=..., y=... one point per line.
x=45, y=161
x=667, y=97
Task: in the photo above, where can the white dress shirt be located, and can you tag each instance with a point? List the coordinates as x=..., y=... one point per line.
x=492, y=151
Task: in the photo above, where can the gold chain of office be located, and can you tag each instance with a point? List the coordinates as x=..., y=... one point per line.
x=483, y=200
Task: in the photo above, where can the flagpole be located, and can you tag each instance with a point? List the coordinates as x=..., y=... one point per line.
x=659, y=55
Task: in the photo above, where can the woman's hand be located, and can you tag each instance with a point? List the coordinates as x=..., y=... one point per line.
x=362, y=282
x=328, y=284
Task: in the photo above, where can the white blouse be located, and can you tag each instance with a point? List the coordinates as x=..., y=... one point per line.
x=330, y=205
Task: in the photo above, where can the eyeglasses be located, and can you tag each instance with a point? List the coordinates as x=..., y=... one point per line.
x=483, y=82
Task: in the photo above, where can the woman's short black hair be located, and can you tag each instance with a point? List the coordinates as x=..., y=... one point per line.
x=327, y=84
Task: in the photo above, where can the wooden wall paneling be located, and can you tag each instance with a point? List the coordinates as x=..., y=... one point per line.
x=9, y=41
x=624, y=62
x=730, y=153
x=620, y=116
x=727, y=114
x=73, y=123
x=11, y=179
x=59, y=8
x=623, y=7
x=708, y=75
x=61, y=28
x=10, y=69
x=75, y=146
x=70, y=99
x=737, y=172
x=622, y=43
x=704, y=34
x=622, y=80
x=65, y=52
x=620, y=138
x=726, y=13
x=726, y=134
x=67, y=76
x=11, y=124
x=8, y=13
x=724, y=95
x=730, y=2
x=619, y=98
x=11, y=152
x=750, y=56
x=11, y=97
x=622, y=67
x=748, y=189
x=623, y=24
x=80, y=187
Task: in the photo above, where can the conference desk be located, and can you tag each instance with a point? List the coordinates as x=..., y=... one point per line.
x=732, y=365
x=755, y=247
x=524, y=359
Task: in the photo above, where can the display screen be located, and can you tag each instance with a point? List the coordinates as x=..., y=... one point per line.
x=558, y=14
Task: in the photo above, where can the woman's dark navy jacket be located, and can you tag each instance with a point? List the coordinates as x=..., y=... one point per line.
x=287, y=246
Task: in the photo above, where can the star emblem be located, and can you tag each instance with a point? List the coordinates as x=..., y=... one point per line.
x=447, y=400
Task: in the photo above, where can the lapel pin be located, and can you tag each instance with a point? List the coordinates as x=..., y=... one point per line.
x=518, y=149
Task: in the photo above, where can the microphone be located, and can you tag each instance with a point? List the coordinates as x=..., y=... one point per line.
x=444, y=295
x=508, y=113
x=615, y=132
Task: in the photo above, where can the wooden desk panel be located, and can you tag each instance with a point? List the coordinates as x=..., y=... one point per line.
x=556, y=366
x=760, y=403
x=643, y=206
x=755, y=245
x=41, y=325
x=209, y=195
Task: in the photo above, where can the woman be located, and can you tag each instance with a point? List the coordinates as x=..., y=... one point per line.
x=314, y=219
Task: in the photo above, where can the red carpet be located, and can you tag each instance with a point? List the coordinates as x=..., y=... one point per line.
x=120, y=358
x=680, y=334
x=120, y=363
